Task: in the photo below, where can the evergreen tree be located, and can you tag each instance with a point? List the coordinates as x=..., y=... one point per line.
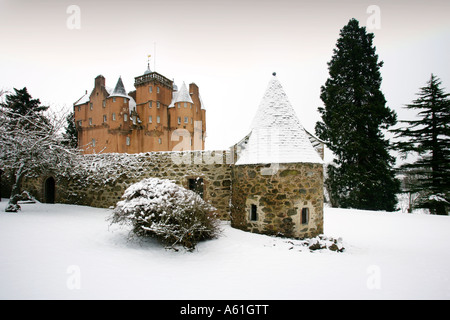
x=20, y=105
x=71, y=134
x=429, y=139
x=353, y=117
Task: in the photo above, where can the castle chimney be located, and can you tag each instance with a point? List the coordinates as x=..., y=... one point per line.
x=99, y=81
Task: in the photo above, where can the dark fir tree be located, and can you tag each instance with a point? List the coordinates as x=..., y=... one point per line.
x=428, y=138
x=71, y=134
x=20, y=105
x=353, y=117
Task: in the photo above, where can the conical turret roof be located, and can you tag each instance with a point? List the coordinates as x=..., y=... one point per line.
x=277, y=135
x=119, y=90
x=183, y=95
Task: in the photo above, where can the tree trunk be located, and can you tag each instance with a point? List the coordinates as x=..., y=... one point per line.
x=13, y=205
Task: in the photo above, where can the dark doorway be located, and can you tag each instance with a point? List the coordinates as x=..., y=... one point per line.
x=196, y=185
x=49, y=190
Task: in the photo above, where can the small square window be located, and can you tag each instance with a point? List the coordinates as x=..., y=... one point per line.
x=186, y=119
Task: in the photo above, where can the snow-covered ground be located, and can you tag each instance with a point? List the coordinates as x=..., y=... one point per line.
x=71, y=252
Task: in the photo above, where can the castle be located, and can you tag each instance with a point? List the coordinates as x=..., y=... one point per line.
x=270, y=182
x=151, y=118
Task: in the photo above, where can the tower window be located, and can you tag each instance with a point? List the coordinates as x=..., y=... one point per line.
x=158, y=104
x=150, y=104
x=157, y=89
x=125, y=100
x=80, y=123
x=91, y=106
x=90, y=121
x=253, y=212
x=125, y=117
x=185, y=104
x=186, y=120
x=150, y=119
x=179, y=120
x=128, y=141
x=114, y=116
x=179, y=105
x=104, y=118
x=104, y=103
x=93, y=142
x=305, y=215
x=160, y=141
x=114, y=99
x=150, y=89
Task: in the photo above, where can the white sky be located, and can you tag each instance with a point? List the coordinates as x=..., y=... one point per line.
x=228, y=48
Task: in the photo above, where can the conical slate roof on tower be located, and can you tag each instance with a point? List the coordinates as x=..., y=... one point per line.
x=119, y=90
x=277, y=135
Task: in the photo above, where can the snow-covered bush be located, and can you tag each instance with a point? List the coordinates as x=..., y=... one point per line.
x=168, y=212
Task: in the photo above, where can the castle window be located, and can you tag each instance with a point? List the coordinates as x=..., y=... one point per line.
x=150, y=119
x=150, y=89
x=186, y=120
x=185, y=104
x=305, y=215
x=150, y=104
x=104, y=103
x=179, y=120
x=104, y=118
x=158, y=104
x=125, y=117
x=79, y=108
x=80, y=123
x=114, y=99
x=158, y=119
x=128, y=141
x=90, y=121
x=125, y=100
x=157, y=89
x=91, y=106
x=114, y=117
x=179, y=105
x=253, y=213
x=196, y=185
x=160, y=141
x=93, y=142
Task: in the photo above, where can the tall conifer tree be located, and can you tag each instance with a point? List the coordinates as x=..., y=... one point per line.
x=428, y=137
x=353, y=117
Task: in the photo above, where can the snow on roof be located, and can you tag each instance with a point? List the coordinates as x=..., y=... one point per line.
x=84, y=99
x=119, y=90
x=277, y=135
x=183, y=95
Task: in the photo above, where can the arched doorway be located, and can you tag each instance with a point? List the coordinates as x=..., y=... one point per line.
x=49, y=190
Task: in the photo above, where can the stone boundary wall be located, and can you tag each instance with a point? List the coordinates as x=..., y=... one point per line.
x=101, y=179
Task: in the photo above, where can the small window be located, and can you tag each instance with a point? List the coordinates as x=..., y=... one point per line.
x=150, y=89
x=128, y=141
x=160, y=141
x=80, y=123
x=90, y=121
x=104, y=118
x=185, y=104
x=91, y=106
x=125, y=100
x=196, y=185
x=93, y=142
x=179, y=105
x=104, y=103
x=179, y=120
x=157, y=89
x=150, y=104
x=158, y=119
x=79, y=108
x=186, y=119
x=158, y=105
x=150, y=119
x=253, y=212
x=114, y=117
x=305, y=215
x=125, y=117
x=114, y=99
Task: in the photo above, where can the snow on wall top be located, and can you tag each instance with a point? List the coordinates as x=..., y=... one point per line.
x=277, y=135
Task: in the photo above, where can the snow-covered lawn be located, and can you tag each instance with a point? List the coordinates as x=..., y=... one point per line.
x=71, y=252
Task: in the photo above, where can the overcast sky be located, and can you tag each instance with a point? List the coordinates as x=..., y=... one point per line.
x=228, y=48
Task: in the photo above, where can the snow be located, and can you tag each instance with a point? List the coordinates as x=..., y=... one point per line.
x=181, y=95
x=277, y=135
x=71, y=252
